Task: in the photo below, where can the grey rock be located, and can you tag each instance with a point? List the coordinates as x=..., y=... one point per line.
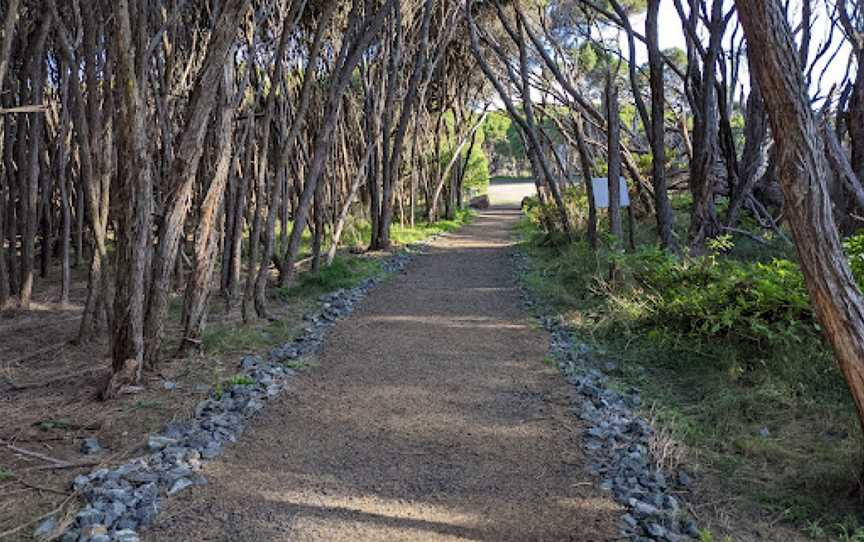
x=45, y=529
x=89, y=516
x=630, y=520
x=127, y=523
x=690, y=529
x=180, y=485
x=143, y=477
x=178, y=472
x=70, y=536
x=169, y=385
x=113, y=512
x=656, y=530
x=91, y=446
x=158, y=442
x=126, y=535
x=212, y=451
x=80, y=482
x=764, y=432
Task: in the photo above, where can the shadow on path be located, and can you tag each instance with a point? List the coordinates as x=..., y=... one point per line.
x=430, y=415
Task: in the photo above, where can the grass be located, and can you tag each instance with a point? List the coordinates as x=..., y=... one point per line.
x=719, y=396
x=360, y=231
x=345, y=272
x=219, y=340
x=240, y=380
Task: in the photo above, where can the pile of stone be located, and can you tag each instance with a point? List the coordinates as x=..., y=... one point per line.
x=123, y=500
x=617, y=440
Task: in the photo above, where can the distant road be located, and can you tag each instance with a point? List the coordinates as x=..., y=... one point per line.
x=509, y=192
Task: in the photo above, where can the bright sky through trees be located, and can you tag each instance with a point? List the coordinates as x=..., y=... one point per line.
x=672, y=35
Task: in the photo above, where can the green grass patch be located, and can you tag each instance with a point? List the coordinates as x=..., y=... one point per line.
x=240, y=380
x=345, y=272
x=299, y=364
x=727, y=354
x=220, y=340
x=48, y=425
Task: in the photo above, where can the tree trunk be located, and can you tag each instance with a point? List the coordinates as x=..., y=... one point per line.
x=134, y=221
x=613, y=145
x=207, y=232
x=31, y=186
x=587, y=166
x=658, y=132
x=802, y=170
x=184, y=169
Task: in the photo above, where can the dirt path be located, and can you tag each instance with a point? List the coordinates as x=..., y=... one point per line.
x=430, y=416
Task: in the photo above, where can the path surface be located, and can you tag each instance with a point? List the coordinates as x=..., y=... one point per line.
x=430, y=416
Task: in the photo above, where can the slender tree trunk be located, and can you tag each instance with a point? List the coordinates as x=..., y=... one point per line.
x=587, y=168
x=613, y=144
x=31, y=186
x=184, y=169
x=658, y=131
x=346, y=207
x=200, y=281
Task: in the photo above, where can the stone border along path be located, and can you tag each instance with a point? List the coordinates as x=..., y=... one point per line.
x=125, y=499
x=616, y=441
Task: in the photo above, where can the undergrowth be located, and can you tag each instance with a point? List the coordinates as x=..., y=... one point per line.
x=727, y=353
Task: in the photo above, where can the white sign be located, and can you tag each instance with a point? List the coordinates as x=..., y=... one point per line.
x=601, y=192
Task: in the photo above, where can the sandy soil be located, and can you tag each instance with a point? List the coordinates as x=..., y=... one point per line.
x=429, y=415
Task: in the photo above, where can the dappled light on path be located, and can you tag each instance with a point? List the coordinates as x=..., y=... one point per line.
x=429, y=415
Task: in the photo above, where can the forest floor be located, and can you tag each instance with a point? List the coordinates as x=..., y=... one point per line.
x=429, y=414
x=49, y=385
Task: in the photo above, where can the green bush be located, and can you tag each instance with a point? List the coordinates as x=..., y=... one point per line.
x=855, y=250
x=765, y=304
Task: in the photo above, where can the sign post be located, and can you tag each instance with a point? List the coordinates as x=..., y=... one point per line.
x=600, y=186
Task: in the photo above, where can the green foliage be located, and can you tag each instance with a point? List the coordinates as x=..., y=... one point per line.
x=146, y=405
x=502, y=141
x=345, y=272
x=721, y=346
x=709, y=297
x=586, y=57
x=48, y=425
x=5, y=474
x=240, y=380
x=855, y=250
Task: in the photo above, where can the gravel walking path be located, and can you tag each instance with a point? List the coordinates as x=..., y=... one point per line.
x=429, y=415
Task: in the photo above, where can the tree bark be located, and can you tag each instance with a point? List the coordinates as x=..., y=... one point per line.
x=657, y=130
x=183, y=171
x=802, y=169
x=613, y=146
x=200, y=281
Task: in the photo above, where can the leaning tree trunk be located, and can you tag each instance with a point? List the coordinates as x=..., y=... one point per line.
x=207, y=231
x=587, y=165
x=184, y=169
x=802, y=169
